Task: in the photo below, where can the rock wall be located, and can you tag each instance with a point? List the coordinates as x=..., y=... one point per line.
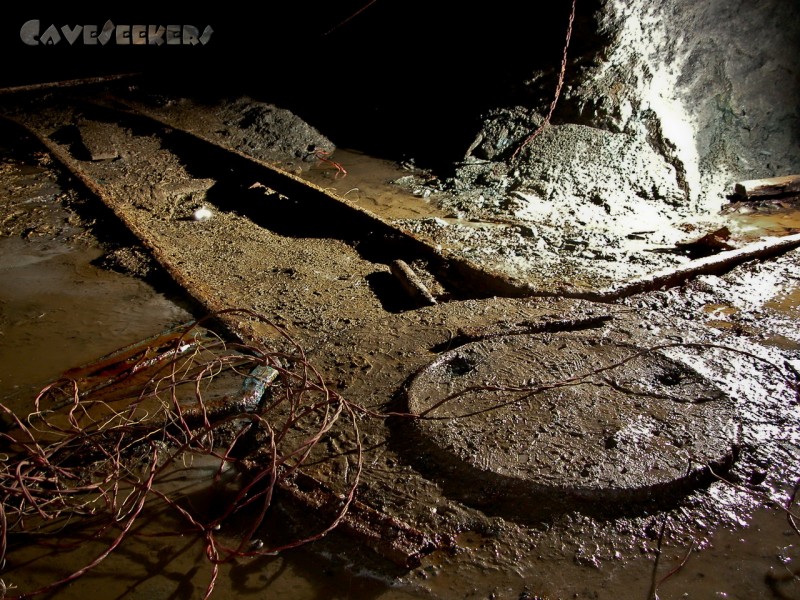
x=715, y=85
x=682, y=99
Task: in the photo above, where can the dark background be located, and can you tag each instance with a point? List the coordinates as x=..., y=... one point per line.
x=400, y=78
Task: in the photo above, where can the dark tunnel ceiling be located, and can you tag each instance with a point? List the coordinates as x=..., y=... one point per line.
x=398, y=78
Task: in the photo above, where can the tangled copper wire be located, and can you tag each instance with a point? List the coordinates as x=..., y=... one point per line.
x=98, y=444
x=101, y=442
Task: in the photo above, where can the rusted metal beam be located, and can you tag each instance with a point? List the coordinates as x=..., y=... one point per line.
x=390, y=537
x=36, y=87
x=482, y=281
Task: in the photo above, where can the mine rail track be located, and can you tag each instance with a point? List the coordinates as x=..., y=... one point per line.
x=475, y=280
x=390, y=537
x=462, y=277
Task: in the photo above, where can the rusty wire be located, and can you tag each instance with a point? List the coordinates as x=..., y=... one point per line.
x=561, y=76
x=656, y=582
x=92, y=455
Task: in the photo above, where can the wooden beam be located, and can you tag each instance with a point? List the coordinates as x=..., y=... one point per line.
x=773, y=186
x=412, y=284
x=709, y=265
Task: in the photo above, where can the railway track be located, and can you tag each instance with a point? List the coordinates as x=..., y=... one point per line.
x=176, y=161
x=276, y=245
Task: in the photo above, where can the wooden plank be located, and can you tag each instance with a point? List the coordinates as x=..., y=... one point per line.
x=773, y=186
x=98, y=140
x=709, y=265
x=412, y=284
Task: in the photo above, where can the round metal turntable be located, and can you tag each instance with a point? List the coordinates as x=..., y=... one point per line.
x=570, y=416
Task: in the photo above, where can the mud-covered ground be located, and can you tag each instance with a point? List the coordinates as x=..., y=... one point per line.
x=553, y=217
x=337, y=297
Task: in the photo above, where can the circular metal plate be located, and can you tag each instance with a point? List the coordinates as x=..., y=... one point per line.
x=592, y=419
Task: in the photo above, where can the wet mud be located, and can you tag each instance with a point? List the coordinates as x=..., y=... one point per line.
x=57, y=308
x=732, y=349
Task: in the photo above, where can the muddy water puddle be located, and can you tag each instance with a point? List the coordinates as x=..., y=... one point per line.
x=771, y=221
x=59, y=311
x=369, y=183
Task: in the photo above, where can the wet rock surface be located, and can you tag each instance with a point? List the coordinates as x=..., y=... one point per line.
x=699, y=90
x=659, y=117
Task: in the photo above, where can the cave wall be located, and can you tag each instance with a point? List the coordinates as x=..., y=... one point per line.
x=671, y=101
x=713, y=87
